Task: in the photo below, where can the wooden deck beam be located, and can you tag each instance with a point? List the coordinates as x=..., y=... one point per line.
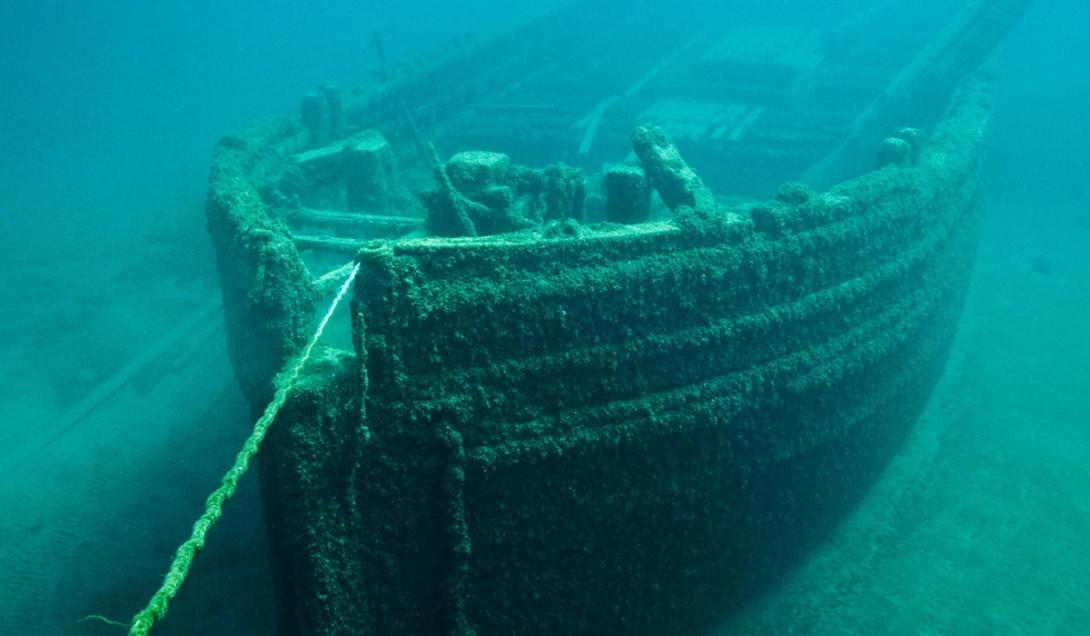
x=359, y=225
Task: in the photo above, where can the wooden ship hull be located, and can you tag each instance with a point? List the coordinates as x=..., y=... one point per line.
x=571, y=427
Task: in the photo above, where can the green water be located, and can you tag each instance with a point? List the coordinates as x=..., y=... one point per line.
x=981, y=525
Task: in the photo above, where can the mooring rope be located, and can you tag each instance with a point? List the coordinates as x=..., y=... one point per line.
x=156, y=608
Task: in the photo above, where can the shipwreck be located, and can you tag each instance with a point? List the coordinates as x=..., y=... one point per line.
x=623, y=392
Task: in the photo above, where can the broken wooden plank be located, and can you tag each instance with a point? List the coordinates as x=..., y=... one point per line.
x=594, y=119
x=204, y=317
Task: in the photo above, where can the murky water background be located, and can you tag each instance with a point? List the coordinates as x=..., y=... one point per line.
x=107, y=120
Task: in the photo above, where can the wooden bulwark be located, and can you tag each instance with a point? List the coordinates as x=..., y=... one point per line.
x=612, y=415
x=593, y=415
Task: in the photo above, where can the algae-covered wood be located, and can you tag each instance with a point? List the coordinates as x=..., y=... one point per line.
x=622, y=429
